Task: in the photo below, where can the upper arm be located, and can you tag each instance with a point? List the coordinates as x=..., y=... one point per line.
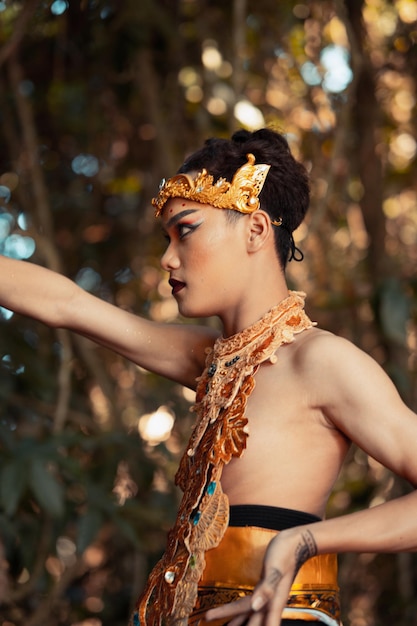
x=361, y=400
x=176, y=351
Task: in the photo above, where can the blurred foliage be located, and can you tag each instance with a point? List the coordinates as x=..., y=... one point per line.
x=98, y=100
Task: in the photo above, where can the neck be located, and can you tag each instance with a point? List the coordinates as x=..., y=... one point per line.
x=251, y=310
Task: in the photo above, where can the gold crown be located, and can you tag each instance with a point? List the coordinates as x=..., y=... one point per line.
x=240, y=195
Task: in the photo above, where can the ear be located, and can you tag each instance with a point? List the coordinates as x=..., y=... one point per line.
x=260, y=230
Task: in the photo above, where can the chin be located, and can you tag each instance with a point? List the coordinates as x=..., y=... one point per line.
x=195, y=311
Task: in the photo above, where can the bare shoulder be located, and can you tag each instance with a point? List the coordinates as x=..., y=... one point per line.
x=337, y=366
x=341, y=378
x=317, y=346
x=357, y=396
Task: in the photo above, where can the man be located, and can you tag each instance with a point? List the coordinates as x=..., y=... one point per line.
x=278, y=401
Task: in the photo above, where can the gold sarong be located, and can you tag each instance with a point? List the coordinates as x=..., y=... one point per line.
x=234, y=568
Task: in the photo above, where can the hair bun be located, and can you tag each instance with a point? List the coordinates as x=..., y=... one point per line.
x=285, y=194
x=241, y=136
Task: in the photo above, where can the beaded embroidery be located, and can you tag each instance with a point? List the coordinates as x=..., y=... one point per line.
x=220, y=433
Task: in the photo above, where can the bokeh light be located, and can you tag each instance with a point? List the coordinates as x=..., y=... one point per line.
x=88, y=279
x=249, y=115
x=17, y=247
x=156, y=427
x=85, y=164
x=211, y=57
x=58, y=7
x=338, y=73
x=5, y=313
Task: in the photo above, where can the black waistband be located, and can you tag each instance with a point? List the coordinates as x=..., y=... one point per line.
x=272, y=517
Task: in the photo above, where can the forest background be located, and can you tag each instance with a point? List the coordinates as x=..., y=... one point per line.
x=99, y=100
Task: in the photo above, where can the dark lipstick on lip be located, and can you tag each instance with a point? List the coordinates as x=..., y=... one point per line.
x=176, y=285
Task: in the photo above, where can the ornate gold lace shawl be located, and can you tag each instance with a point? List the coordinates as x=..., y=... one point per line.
x=220, y=434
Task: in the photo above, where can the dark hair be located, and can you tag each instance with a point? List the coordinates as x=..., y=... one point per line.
x=286, y=191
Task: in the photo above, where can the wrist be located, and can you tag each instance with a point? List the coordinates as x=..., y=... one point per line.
x=303, y=543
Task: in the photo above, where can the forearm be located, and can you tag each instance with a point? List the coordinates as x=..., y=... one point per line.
x=389, y=527
x=32, y=290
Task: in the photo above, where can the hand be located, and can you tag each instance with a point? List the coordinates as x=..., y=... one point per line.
x=283, y=558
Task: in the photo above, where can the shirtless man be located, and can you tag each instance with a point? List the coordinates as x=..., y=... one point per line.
x=263, y=457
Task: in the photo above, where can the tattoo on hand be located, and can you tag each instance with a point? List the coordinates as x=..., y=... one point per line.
x=274, y=577
x=305, y=549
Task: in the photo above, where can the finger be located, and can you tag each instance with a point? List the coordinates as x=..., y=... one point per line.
x=277, y=604
x=274, y=615
x=266, y=591
x=256, y=619
x=242, y=620
x=241, y=607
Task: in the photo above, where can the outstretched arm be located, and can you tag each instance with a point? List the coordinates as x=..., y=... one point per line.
x=174, y=351
x=357, y=397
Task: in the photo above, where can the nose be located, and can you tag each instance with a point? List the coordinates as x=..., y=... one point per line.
x=170, y=260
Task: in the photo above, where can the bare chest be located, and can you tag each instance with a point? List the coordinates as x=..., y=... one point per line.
x=293, y=455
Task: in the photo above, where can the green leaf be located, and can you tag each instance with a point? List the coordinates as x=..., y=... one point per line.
x=47, y=490
x=13, y=481
x=88, y=527
x=394, y=311
x=127, y=529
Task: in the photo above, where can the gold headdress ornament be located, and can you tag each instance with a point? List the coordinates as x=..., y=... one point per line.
x=240, y=195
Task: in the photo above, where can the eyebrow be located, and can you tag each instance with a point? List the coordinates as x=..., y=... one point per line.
x=176, y=218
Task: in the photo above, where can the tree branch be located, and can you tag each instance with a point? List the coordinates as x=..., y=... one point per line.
x=19, y=30
x=45, y=223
